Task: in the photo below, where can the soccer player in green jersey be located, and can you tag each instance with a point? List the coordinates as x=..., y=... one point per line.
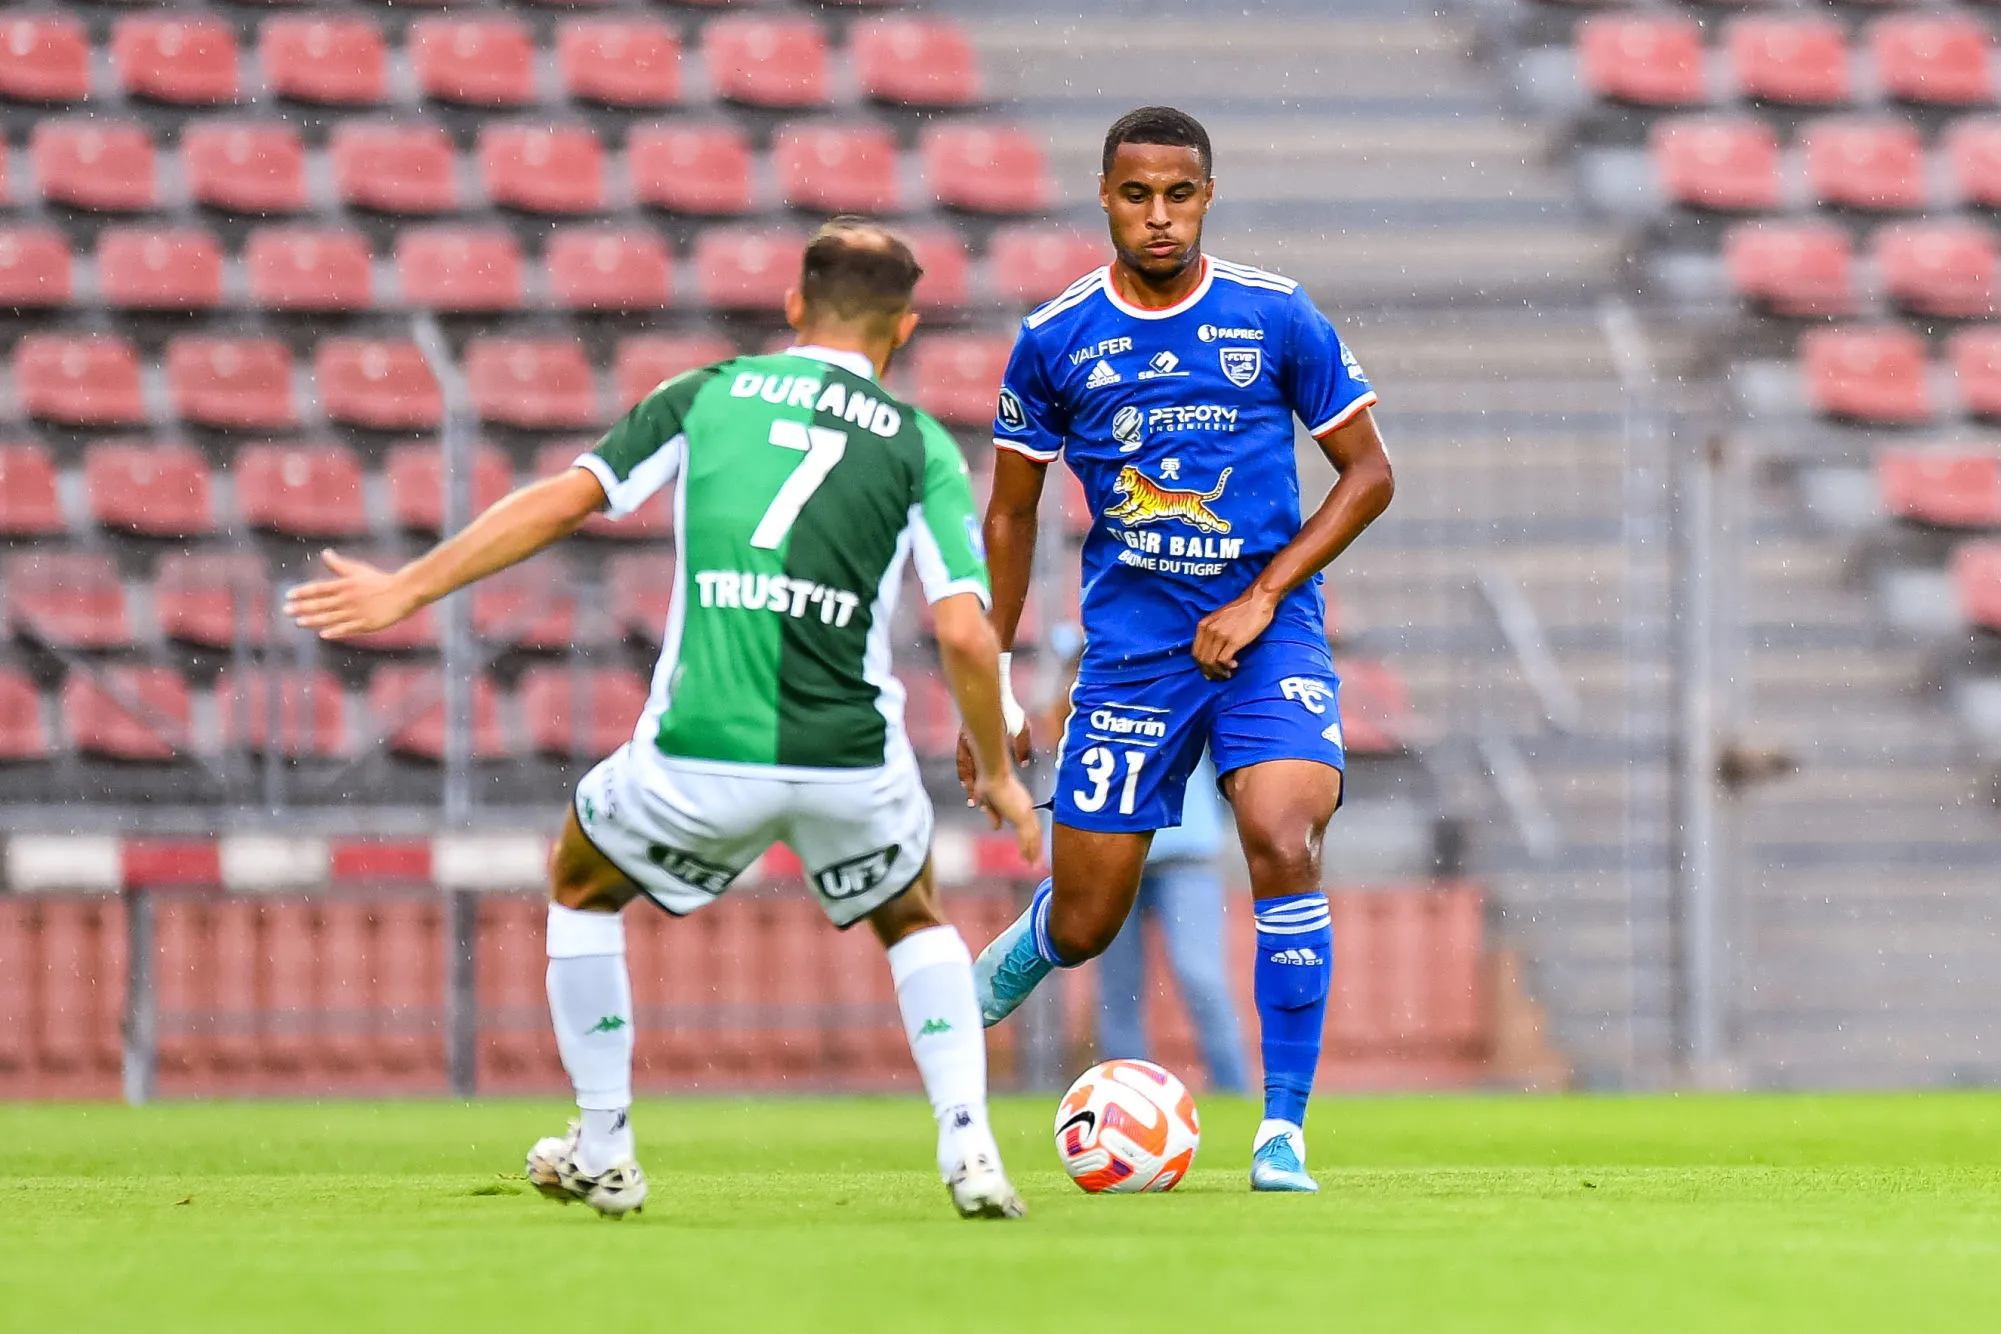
x=800, y=488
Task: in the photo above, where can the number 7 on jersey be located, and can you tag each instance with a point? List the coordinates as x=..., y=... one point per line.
x=823, y=447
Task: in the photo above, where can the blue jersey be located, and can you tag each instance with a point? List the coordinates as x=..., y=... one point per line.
x=1179, y=424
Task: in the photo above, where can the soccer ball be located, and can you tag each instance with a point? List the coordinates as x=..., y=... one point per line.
x=1125, y=1127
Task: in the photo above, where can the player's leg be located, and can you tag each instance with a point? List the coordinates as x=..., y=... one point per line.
x=1128, y=748
x=1190, y=912
x=933, y=972
x=1071, y=918
x=1277, y=742
x=866, y=844
x=590, y=1006
x=1122, y=982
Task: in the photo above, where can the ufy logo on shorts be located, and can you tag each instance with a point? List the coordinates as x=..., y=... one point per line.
x=691, y=870
x=857, y=875
x=1126, y=429
x=1143, y=500
x=1241, y=365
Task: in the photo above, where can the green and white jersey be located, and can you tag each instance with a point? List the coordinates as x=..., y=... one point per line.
x=801, y=488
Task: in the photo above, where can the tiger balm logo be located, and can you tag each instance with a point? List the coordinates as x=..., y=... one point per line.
x=1143, y=500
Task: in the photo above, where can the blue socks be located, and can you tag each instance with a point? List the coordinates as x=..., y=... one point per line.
x=1038, y=924
x=1294, y=967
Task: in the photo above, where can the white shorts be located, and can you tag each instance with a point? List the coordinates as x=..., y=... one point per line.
x=683, y=830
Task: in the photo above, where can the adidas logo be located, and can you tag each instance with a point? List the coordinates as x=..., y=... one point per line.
x=1303, y=955
x=1102, y=374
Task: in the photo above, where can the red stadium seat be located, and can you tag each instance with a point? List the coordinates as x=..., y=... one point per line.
x=645, y=360
x=153, y=490
x=1976, y=366
x=747, y=268
x=1375, y=708
x=1876, y=166
x=836, y=168
x=1792, y=268
x=1976, y=572
x=474, y=62
x=543, y=170
x=395, y=168
x=415, y=473
x=452, y=270
x=1729, y=165
x=72, y=599
x=633, y=63
x=986, y=169
x=1943, y=268
x=128, y=714
x=1973, y=147
x=537, y=384
x=948, y=278
x=328, y=60
x=312, y=713
x=407, y=705
x=235, y=384
x=1032, y=264
x=1874, y=375
x=29, y=506
x=44, y=58
x=956, y=377
x=703, y=169
x=1948, y=488
x=142, y=269
x=186, y=61
x=640, y=589
x=1646, y=61
x=306, y=269
x=530, y=606
x=211, y=600
x=919, y=62
x=101, y=165
x=91, y=381
x=246, y=168
x=580, y=713
x=929, y=715
x=306, y=491
x=651, y=520
x=23, y=735
x=382, y=384
x=767, y=62
x=34, y=268
x=1799, y=61
x=1940, y=60
x=610, y=268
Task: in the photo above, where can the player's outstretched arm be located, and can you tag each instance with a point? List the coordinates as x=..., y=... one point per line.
x=971, y=657
x=361, y=599
x=1363, y=491
x=1009, y=533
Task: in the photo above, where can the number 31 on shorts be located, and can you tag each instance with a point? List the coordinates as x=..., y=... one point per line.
x=1100, y=765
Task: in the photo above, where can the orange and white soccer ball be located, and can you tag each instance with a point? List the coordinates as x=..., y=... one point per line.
x=1125, y=1127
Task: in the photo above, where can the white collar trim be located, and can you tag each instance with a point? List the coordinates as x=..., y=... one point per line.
x=835, y=356
x=1144, y=313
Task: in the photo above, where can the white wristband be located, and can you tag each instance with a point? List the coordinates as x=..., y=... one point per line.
x=1013, y=716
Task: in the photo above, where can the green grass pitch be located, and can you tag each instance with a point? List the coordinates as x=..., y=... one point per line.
x=1655, y=1213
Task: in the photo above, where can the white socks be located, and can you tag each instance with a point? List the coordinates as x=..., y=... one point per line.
x=941, y=1017
x=590, y=1001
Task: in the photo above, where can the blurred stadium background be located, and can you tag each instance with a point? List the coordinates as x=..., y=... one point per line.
x=1672, y=687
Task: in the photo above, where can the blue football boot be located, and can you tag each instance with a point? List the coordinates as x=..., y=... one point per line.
x=1276, y=1166
x=1008, y=969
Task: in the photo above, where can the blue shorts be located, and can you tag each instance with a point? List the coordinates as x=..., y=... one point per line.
x=1131, y=743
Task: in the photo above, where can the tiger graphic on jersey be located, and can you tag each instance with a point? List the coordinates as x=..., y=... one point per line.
x=1143, y=500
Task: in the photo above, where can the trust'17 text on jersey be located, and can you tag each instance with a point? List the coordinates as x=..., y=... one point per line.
x=1179, y=424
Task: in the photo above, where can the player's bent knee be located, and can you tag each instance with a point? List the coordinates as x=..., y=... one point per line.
x=1078, y=939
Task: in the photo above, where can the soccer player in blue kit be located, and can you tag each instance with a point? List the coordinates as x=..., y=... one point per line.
x=1169, y=381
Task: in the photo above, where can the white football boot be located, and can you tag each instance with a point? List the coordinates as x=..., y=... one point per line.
x=615, y=1192
x=980, y=1189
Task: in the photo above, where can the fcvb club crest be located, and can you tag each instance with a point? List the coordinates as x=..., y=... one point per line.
x=1242, y=364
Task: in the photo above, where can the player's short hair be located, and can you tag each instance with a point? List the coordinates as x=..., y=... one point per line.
x=857, y=270
x=1157, y=125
